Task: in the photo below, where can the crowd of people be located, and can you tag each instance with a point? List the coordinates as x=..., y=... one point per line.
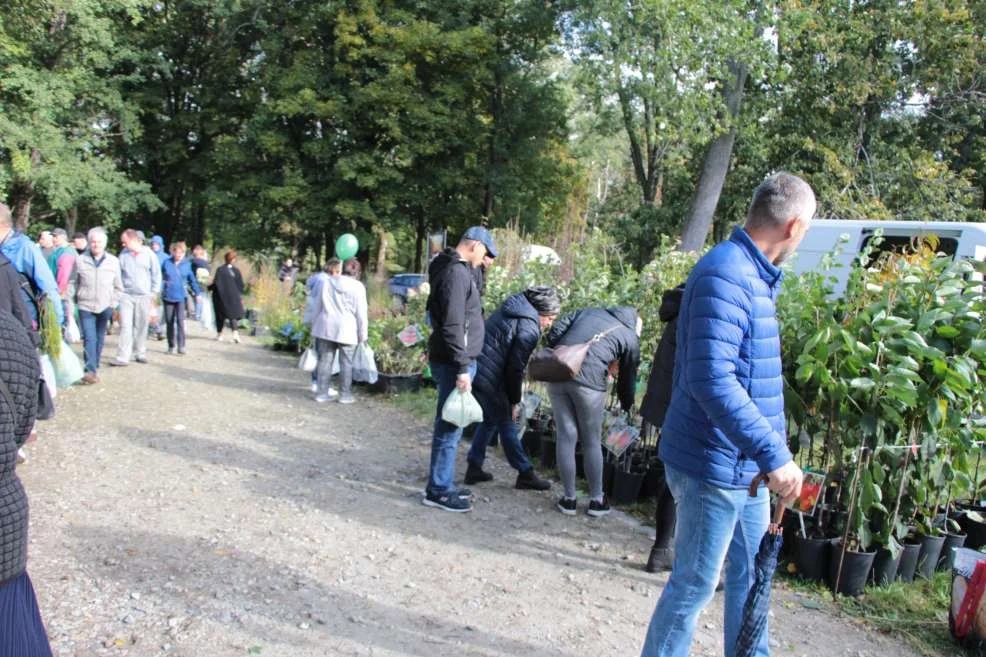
x=715, y=390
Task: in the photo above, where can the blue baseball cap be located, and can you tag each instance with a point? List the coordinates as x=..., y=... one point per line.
x=481, y=234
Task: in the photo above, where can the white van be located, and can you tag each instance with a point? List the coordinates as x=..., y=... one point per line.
x=962, y=240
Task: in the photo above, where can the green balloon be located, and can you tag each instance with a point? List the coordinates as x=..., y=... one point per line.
x=346, y=246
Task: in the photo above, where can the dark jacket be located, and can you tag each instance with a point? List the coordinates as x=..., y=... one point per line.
x=11, y=299
x=227, y=293
x=659, y=384
x=175, y=278
x=456, y=312
x=726, y=420
x=621, y=345
x=512, y=334
x=20, y=372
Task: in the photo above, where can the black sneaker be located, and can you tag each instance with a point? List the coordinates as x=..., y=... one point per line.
x=476, y=475
x=528, y=480
x=597, y=509
x=447, y=502
x=566, y=506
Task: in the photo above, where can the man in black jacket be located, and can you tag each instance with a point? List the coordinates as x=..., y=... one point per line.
x=456, y=340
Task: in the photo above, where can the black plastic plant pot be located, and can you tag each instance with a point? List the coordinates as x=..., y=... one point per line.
x=654, y=481
x=609, y=470
x=548, y=459
x=811, y=557
x=532, y=443
x=975, y=530
x=395, y=384
x=953, y=541
x=885, y=567
x=931, y=547
x=908, y=562
x=626, y=487
x=856, y=568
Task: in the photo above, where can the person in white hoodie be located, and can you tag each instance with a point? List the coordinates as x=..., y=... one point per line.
x=339, y=323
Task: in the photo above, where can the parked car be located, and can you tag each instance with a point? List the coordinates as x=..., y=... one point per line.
x=401, y=285
x=957, y=239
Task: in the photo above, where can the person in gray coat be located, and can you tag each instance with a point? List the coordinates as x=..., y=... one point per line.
x=578, y=405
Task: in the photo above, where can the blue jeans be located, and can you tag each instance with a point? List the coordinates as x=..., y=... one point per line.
x=716, y=524
x=446, y=437
x=512, y=449
x=93, y=328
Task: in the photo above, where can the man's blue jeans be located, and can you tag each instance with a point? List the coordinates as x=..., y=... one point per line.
x=446, y=437
x=512, y=449
x=93, y=328
x=715, y=524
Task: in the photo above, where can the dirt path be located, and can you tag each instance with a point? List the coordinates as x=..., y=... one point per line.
x=203, y=506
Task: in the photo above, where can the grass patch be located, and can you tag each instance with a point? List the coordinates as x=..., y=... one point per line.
x=420, y=404
x=916, y=613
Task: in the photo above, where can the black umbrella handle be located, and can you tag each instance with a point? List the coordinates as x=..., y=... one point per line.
x=754, y=489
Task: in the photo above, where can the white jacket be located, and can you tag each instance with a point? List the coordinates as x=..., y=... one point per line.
x=340, y=312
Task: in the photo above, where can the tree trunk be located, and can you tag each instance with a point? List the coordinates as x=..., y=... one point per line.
x=381, y=274
x=22, y=195
x=71, y=222
x=714, y=169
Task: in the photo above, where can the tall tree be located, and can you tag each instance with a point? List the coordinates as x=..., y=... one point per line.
x=62, y=110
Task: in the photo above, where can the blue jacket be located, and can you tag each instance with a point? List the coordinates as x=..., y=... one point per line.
x=174, y=278
x=726, y=419
x=30, y=263
x=512, y=334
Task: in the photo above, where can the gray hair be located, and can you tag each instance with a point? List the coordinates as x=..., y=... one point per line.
x=97, y=234
x=778, y=199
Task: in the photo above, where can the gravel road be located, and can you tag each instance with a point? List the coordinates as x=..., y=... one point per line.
x=204, y=506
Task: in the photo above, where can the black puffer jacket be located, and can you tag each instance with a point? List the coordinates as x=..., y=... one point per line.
x=512, y=334
x=20, y=372
x=621, y=345
x=456, y=311
x=659, y=384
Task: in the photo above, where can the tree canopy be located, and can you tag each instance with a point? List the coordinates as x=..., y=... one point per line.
x=278, y=126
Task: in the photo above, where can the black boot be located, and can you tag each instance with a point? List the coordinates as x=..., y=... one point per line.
x=476, y=475
x=528, y=480
x=659, y=559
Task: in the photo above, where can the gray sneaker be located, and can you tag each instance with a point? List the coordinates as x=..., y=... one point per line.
x=347, y=399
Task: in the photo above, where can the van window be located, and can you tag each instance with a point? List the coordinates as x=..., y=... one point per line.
x=905, y=243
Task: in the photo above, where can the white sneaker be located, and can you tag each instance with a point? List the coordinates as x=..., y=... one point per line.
x=22, y=456
x=321, y=399
x=236, y=337
x=314, y=388
x=347, y=399
x=219, y=338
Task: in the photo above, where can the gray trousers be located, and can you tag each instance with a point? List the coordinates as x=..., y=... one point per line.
x=578, y=415
x=326, y=350
x=134, y=312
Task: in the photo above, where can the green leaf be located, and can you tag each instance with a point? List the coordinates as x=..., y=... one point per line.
x=947, y=331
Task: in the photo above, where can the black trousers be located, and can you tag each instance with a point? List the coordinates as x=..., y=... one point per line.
x=174, y=317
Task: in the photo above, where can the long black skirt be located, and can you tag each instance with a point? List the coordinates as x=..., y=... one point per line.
x=22, y=633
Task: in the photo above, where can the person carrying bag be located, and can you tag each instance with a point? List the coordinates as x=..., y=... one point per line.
x=562, y=363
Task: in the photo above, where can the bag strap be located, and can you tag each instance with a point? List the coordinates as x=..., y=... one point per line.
x=599, y=336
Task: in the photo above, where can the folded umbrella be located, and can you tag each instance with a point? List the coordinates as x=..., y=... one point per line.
x=757, y=604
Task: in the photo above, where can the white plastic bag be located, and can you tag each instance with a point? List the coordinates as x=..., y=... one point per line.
x=208, y=316
x=72, y=333
x=364, y=365
x=462, y=409
x=308, y=361
x=68, y=367
x=48, y=375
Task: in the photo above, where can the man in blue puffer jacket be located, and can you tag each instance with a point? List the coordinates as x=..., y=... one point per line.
x=512, y=334
x=726, y=420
